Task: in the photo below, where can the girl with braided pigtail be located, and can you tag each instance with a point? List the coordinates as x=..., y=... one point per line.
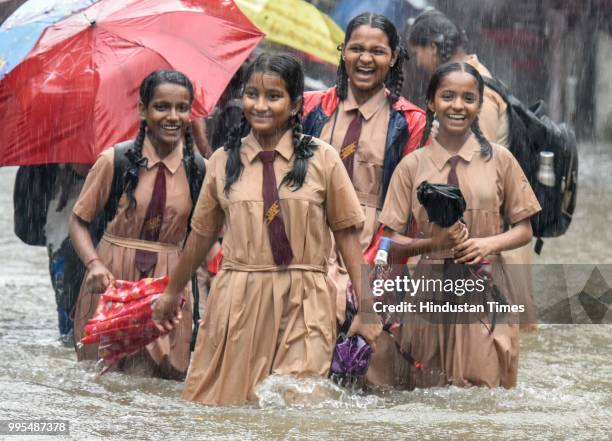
x=145, y=236
x=278, y=193
x=372, y=126
x=433, y=40
x=467, y=347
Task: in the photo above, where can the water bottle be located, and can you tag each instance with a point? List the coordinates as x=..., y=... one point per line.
x=382, y=255
x=546, y=172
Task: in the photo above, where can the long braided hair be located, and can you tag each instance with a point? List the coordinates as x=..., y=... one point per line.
x=434, y=27
x=289, y=69
x=395, y=78
x=135, y=160
x=444, y=70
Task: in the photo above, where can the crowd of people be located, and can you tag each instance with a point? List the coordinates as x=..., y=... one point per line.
x=300, y=187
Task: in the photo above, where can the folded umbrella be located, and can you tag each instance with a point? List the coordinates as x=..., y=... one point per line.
x=444, y=203
x=123, y=324
x=353, y=354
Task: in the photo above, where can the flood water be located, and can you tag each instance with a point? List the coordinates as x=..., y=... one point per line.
x=564, y=387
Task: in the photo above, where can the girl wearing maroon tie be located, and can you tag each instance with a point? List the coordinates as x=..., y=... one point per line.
x=145, y=236
x=372, y=126
x=278, y=193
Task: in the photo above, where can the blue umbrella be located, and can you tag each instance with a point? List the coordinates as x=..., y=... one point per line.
x=398, y=11
x=20, y=32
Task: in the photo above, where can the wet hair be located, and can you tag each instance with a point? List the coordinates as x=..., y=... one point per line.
x=395, y=78
x=134, y=154
x=434, y=27
x=288, y=69
x=434, y=84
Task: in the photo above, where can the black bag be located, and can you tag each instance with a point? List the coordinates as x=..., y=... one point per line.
x=532, y=132
x=34, y=189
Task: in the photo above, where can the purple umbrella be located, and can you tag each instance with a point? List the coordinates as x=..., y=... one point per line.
x=352, y=354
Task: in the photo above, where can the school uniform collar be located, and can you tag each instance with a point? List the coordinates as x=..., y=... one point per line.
x=367, y=109
x=172, y=161
x=440, y=156
x=251, y=147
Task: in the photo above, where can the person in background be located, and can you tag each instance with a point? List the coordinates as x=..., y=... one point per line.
x=43, y=199
x=365, y=118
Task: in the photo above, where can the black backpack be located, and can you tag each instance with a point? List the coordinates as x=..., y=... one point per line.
x=531, y=132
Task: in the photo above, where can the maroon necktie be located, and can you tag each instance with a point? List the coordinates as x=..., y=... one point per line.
x=452, y=174
x=350, y=143
x=146, y=260
x=281, y=248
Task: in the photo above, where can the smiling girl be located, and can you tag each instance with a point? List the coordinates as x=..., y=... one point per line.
x=278, y=193
x=145, y=236
x=372, y=126
x=462, y=350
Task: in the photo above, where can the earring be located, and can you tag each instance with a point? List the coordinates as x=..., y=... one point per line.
x=392, y=64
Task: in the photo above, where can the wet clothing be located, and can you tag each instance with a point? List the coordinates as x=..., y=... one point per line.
x=496, y=192
x=387, y=134
x=168, y=356
x=261, y=318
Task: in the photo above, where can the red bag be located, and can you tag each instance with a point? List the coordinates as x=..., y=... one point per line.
x=123, y=324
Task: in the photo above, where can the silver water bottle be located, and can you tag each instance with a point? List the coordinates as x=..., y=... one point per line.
x=546, y=172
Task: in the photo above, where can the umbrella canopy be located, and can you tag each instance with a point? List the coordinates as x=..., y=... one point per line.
x=444, y=203
x=122, y=323
x=76, y=93
x=296, y=24
x=353, y=354
x=20, y=32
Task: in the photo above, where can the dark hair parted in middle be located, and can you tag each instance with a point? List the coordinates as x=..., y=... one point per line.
x=434, y=84
x=288, y=69
x=434, y=27
x=134, y=155
x=395, y=77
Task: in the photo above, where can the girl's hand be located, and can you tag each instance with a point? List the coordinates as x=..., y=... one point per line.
x=369, y=327
x=473, y=251
x=451, y=237
x=98, y=277
x=167, y=312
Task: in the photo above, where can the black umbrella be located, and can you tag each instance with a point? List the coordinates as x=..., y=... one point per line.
x=444, y=203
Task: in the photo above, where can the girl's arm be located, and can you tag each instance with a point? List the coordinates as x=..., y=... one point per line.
x=366, y=322
x=474, y=250
x=166, y=310
x=98, y=276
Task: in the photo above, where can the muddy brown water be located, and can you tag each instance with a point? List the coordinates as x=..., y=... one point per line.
x=564, y=387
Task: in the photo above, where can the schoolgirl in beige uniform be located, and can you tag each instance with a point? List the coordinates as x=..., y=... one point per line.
x=434, y=39
x=496, y=191
x=271, y=309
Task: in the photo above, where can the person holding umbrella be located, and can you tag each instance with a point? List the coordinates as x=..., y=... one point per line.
x=372, y=126
x=434, y=39
x=462, y=350
x=145, y=236
x=278, y=193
